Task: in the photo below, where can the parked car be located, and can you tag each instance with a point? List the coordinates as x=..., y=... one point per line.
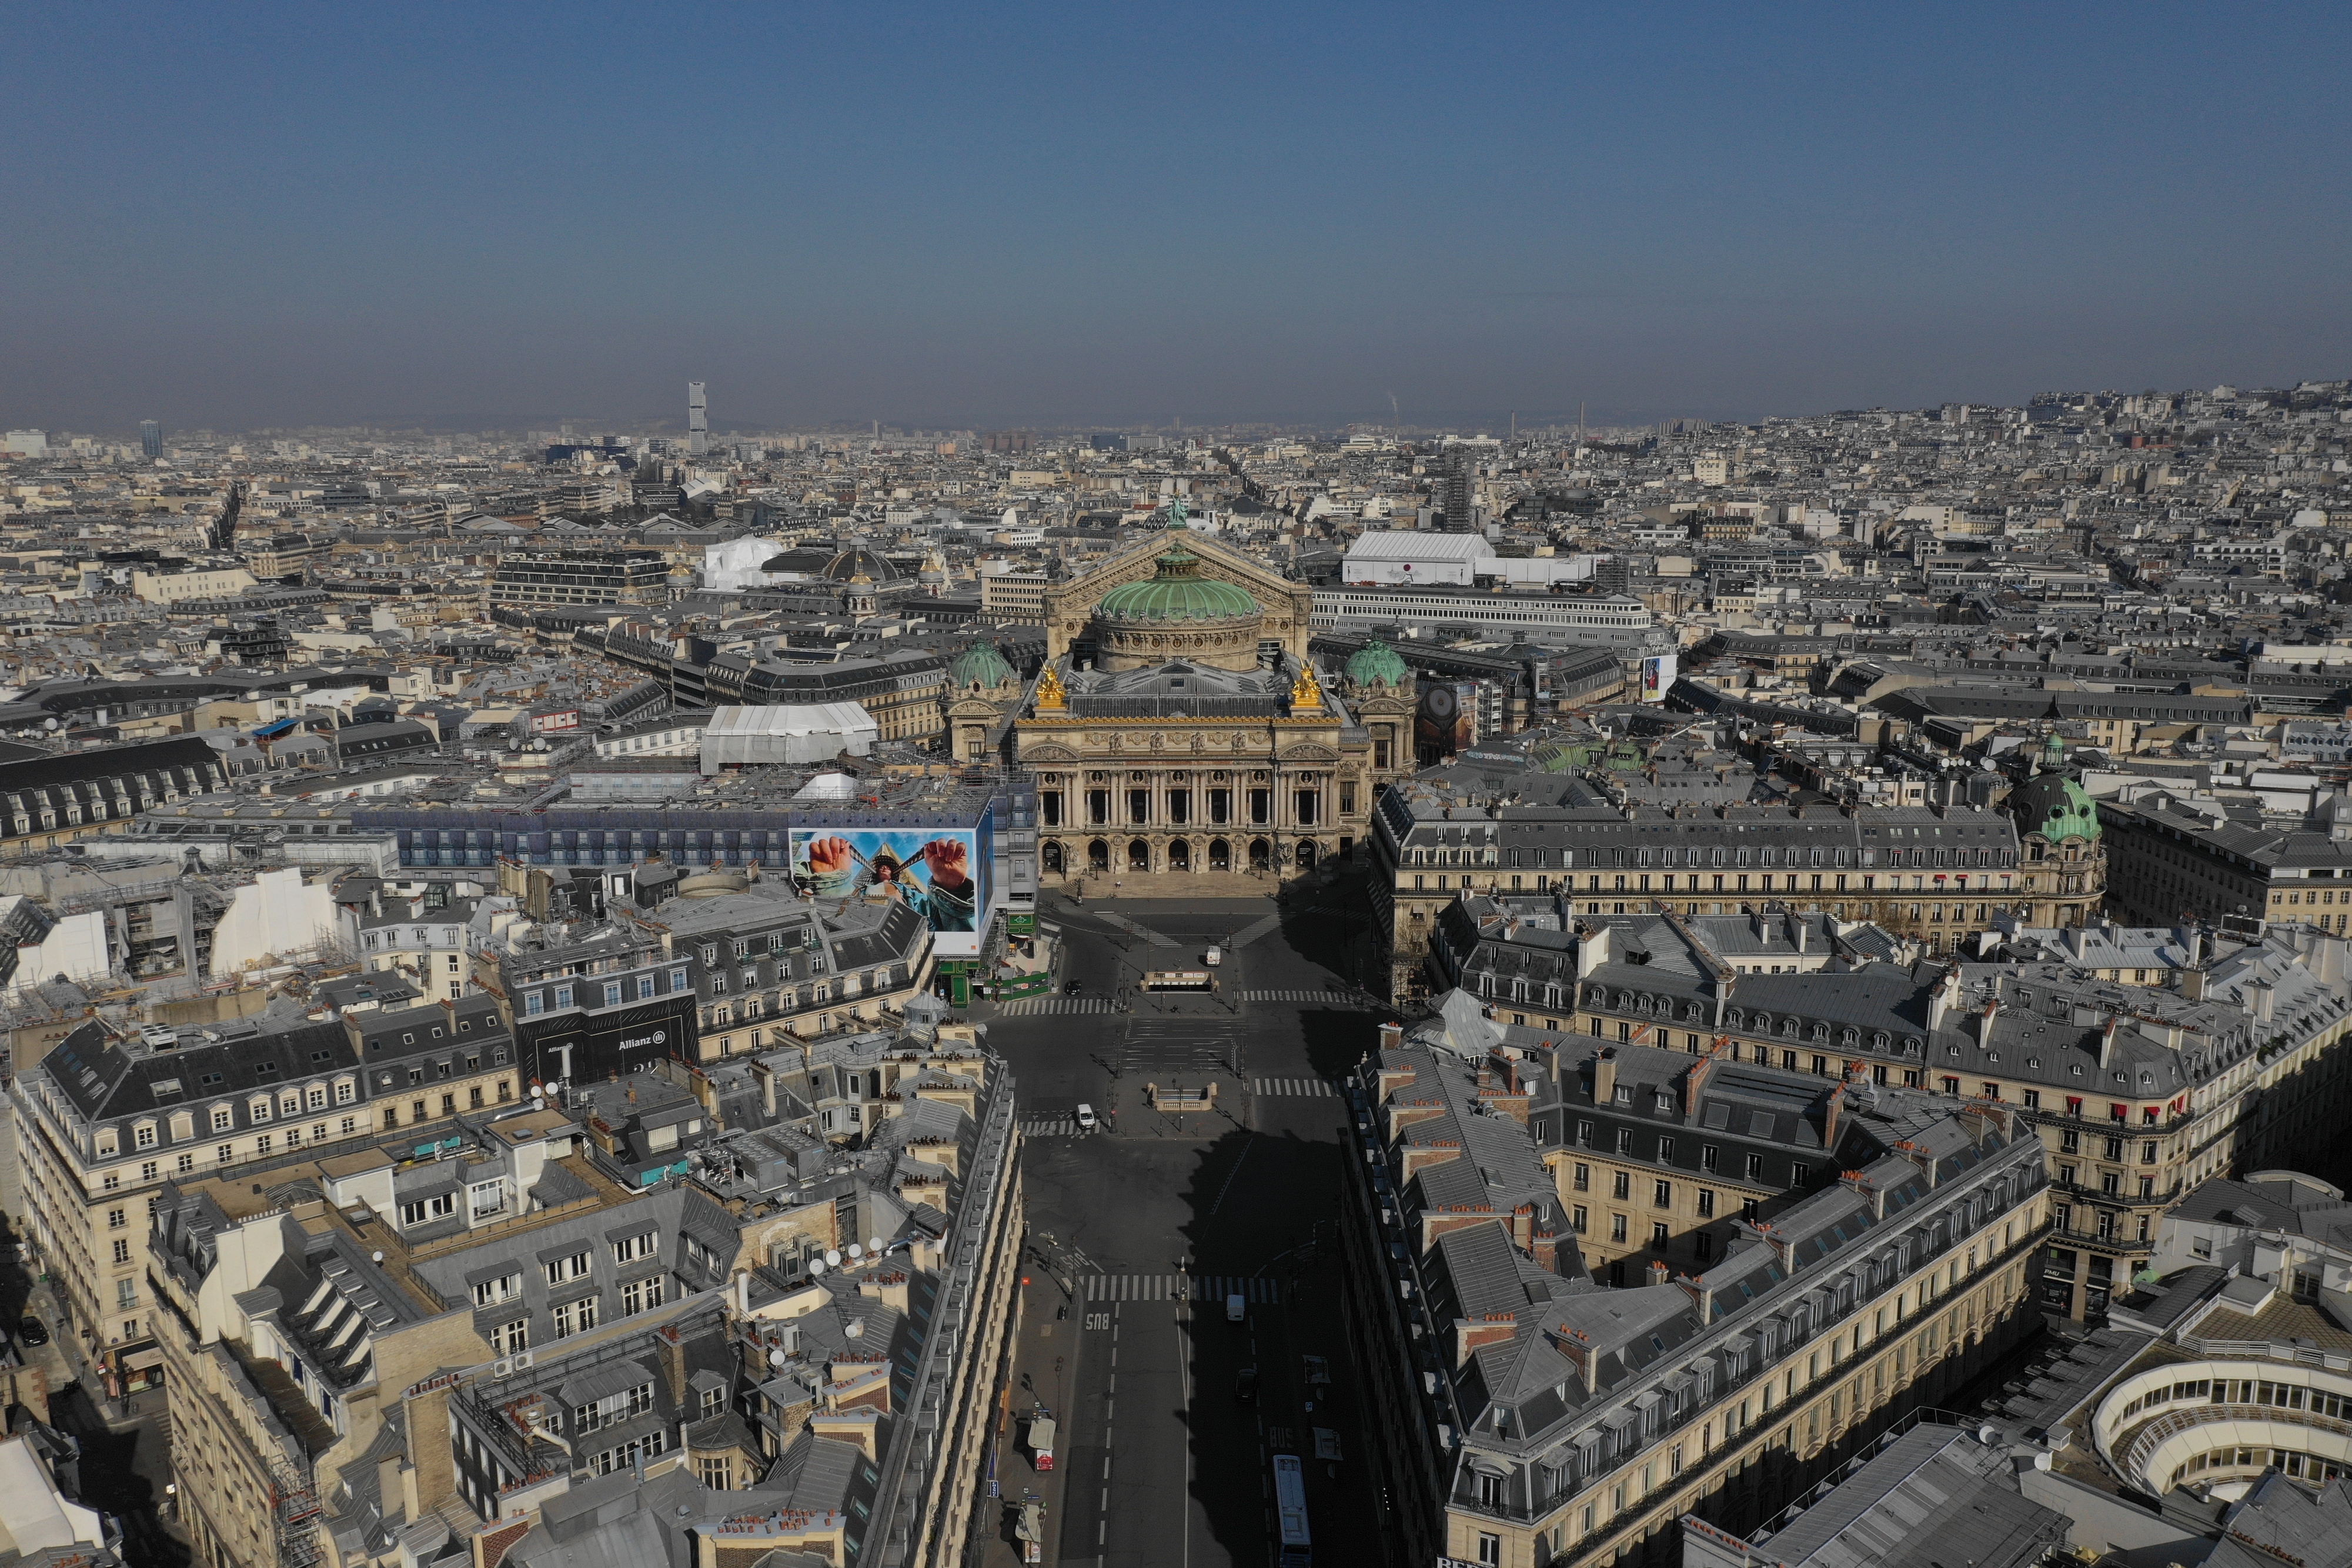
x=1071, y=989
x=30, y=1330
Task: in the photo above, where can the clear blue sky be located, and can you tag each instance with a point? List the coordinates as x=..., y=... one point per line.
x=996, y=215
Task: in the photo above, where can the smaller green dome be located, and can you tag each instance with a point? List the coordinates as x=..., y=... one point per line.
x=1378, y=662
x=980, y=665
x=1178, y=592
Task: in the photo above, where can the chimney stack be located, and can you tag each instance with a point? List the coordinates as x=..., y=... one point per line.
x=1604, y=1076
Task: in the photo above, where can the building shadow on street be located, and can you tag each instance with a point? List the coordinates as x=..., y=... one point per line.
x=1263, y=1207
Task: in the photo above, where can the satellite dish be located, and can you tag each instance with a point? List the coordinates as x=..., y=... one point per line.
x=776, y=1358
x=378, y=1257
x=855, y=1252
x=875, y=1245
x=816, y=1265
x=833, y=1257
x=855, y=1330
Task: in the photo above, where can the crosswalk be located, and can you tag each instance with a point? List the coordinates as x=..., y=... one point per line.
x=1027, y=1007
x=1336, y=999
x=1294, y=1088
x=1021, y=1007
x=1180, y=1287
x=1050, y=1127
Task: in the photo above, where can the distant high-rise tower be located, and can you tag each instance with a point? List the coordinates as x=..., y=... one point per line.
x=1461, y=517
x=151, y=438
x=698, y=421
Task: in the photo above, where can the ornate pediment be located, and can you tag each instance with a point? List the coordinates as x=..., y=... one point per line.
x=1306, y=751
x=1047, y=751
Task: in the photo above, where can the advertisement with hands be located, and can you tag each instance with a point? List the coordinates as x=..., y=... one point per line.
x=941, y=874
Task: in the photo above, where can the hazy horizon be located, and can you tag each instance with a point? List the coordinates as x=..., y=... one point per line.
x=449, y=219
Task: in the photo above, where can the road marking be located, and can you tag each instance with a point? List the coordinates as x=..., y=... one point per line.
x=1294, y=1088
x=1179, y=1288
x=1184, y=1372
x=1256, y=929
x=1031, y=1006
x=1335, y=998
x=1124, y=924
x=1050, y=1127
x=1228, y=1186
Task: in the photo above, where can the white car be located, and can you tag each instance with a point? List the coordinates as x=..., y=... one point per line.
x=1085, y=1118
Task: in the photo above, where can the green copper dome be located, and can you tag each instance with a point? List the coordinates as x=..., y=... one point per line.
x=1177, y=592
x=979, y=666
x=1378, y=662
x=2057, y=807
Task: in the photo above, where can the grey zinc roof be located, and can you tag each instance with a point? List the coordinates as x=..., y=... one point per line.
x=2278, y=1521
x=104, y=1081
x=1933, y=1496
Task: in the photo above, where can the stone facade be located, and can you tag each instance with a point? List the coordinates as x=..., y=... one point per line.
x=1205, y=743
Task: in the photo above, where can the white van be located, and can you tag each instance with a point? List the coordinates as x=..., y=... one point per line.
x=1236, y=1308
x=1215, y=956
x=1085, y=1118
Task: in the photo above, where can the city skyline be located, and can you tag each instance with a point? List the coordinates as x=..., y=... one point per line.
x=482, y=221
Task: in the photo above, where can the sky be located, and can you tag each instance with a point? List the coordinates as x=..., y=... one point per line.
x=241, y=216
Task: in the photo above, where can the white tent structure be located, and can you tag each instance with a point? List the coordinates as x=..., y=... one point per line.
x=799, y=732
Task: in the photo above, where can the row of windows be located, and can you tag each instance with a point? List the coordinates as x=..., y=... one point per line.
x=578, y=1317
x=614, y=993
x=1662, y=1192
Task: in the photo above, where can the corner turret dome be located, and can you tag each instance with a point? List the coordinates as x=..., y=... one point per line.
x=2057, y=808
x=979, y=665
x=1379, y=662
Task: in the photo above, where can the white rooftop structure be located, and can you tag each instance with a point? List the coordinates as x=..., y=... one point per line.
x=1406, y=558
x=799, y=732
x=1404, y=555
x=34, y=1518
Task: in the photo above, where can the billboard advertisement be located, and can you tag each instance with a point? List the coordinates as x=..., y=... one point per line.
x=1657, y=677
x=588, y=1048
x=1447, y=723
x=943, y=874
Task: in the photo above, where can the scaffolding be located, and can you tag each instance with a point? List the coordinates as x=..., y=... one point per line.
x=294, y=1504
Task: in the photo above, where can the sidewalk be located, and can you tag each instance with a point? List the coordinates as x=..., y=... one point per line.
x=1044, y=1372
x=67, y=1366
